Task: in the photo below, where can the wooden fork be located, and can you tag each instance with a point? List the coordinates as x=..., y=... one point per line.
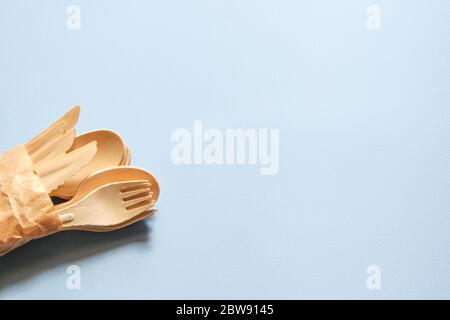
x=109, y=207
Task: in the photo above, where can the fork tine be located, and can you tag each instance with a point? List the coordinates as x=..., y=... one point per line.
x=128, y=194
x=142, y=208
x=137, y=187
x=129, y=185
x=133, y=202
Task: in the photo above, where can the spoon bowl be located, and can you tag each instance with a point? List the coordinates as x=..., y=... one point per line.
x=111, y=151
x=127, y=157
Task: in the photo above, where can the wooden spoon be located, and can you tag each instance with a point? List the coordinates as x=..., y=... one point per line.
x=127, y=157
x=109, y=207
x=110, y=152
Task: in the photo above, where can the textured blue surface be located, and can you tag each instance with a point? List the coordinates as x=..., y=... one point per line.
x=364, y=128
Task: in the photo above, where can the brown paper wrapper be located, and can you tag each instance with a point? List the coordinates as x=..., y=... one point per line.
x=26, y=210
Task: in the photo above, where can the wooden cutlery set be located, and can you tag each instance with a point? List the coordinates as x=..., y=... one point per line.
x=90, y=171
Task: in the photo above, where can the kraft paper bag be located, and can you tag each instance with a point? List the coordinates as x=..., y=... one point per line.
x=26, y=210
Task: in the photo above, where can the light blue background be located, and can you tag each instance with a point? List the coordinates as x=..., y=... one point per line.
x=364, y=124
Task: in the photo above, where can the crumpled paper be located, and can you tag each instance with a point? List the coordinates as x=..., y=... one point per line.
x=26, y=210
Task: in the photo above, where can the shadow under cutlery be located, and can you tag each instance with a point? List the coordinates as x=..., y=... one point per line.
x=63, y=249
